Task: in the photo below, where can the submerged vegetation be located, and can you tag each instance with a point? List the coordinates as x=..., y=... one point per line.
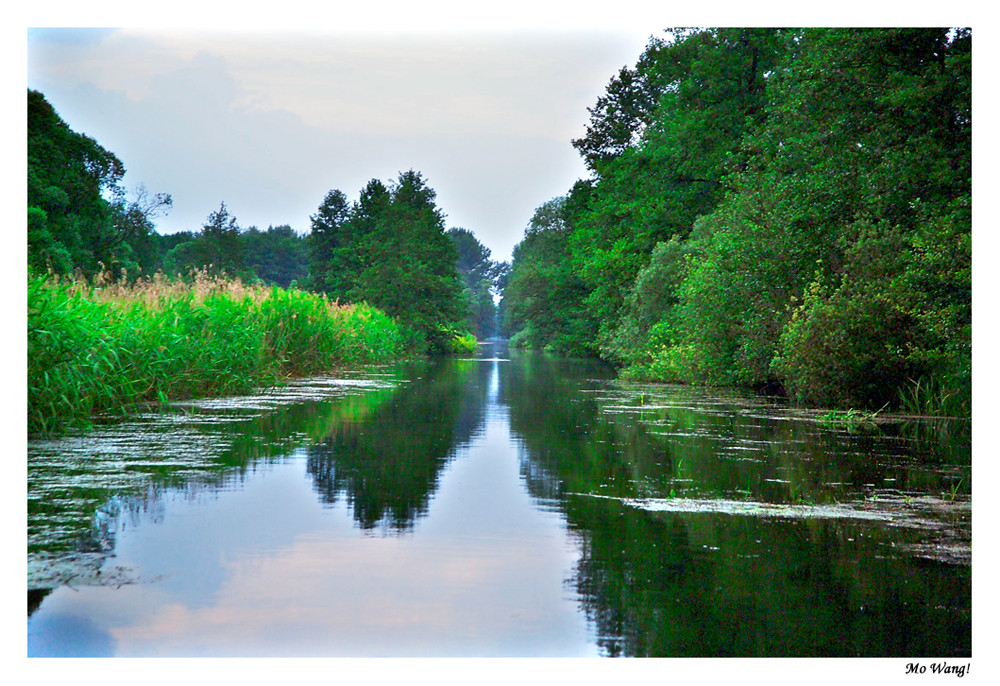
x=102, y=348
x=780, y=209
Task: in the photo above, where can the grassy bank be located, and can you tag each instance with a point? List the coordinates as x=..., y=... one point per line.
x=102, y=348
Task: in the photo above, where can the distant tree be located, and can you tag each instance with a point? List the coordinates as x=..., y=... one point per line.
x=186, y=256
x=473, y=257
x=327, y=244
x=543, y=302
x=216, y=248
x=169, y=241
x=222, y=245
x=480, y=275
x=133, y=228
x=277, y=256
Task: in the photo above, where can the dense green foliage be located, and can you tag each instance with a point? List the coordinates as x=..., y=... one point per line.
x=79, y=216
x=773, y=208
x=98, y=350
x=543, y=305
x=389, y=249
x=278, y=256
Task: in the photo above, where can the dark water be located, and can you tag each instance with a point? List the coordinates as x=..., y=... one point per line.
x=514, y=505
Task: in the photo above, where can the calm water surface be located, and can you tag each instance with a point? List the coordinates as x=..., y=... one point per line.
x=512, y=505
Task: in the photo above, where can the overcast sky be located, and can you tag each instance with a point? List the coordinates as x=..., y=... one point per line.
x=268, y=121
x=267, y=109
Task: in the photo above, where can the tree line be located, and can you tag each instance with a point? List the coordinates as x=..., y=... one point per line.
x=782, y=209
x=389, y=248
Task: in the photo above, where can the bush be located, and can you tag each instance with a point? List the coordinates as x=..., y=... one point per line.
x=461, y=343
x=848, y=348
x=896, y=328
x=650, y=307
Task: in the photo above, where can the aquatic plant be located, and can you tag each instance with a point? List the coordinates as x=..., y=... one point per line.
x=102, y=347
x=853, y=419
x=953, y=488
x=933, y=397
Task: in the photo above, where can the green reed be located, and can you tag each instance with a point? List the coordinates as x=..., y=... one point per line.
x=933, y=397
x=102, y=348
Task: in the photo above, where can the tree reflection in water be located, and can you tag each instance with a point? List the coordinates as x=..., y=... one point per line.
x=606, y=459
x=668, y=583
x=388, y=465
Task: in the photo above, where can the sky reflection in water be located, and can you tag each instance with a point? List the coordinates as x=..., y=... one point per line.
x=266, y=569
x=517, y=505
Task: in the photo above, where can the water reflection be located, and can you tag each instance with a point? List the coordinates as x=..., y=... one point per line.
x=81, y=486
x=269, y=568
x=725, y=525
x=527, y=505
x=388, y=466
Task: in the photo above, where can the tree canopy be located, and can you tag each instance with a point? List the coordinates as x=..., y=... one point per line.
x=389, y=248
x=79, y=215
x=775, y=208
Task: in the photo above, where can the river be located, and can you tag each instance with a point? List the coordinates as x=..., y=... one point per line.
x=515, y=504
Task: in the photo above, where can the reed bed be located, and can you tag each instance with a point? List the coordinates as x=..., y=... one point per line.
x=104, y=347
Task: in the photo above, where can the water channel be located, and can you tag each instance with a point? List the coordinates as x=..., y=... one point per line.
x=516, y=504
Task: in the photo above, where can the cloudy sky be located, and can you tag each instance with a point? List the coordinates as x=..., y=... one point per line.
x=268, y=120
x=267, y=110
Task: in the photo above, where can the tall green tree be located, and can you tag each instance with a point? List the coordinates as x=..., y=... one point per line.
x=68, y=175
x=79, y=215
x=695, y=97
x=390, y=250
x=328, y=247
x=221, y=241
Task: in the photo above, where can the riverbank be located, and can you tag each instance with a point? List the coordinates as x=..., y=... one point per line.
x=103, y=347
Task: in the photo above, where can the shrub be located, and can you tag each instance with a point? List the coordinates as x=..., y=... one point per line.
x=895, y=329
x=846, y=348
x=460, y=343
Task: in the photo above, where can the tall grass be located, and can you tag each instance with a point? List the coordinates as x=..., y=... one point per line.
x=99, y=348
x=933, y=397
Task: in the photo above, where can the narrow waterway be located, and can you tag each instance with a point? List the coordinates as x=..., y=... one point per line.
x=512, y=505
